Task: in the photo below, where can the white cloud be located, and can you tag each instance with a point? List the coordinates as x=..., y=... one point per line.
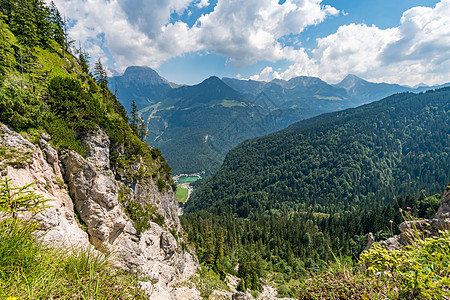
x=416, y=51
x=265, y=75
x=202, y=3
x=141, y=32
x=247, y=31
x=352, y=49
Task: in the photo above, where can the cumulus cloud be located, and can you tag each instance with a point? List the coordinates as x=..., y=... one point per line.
x=202, y=3
x=142, y=31
x=148, y=32
x=247, y=31
x=265, y=75
x=416, y=51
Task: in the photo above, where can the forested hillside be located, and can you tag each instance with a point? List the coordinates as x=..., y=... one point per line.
x=284, y=204
x=46, y=85
x=338, y=162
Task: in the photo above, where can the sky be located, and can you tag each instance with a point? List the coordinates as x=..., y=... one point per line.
x=186, y=41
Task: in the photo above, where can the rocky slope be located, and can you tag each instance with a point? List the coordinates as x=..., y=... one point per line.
x=87, y=208
x=423, y=228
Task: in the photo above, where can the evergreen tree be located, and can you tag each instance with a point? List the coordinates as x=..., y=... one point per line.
x=57, y=25
x=135, y=120
x=100, y=75
x=142, y=129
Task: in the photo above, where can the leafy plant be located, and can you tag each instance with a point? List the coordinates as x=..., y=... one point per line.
x=420, y=271
x=143, y=215
x=15, y=200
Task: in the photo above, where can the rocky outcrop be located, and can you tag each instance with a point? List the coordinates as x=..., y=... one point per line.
x=423, y=228
x=41, y=165
x=87, y=187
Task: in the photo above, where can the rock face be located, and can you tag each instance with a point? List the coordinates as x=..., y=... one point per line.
x=426, y=228
x=88, y=187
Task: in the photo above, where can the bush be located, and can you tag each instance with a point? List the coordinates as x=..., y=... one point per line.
x=422, y=271
x=19, y=108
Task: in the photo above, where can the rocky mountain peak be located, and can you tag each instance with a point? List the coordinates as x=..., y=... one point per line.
x=350, y=81
x=142, y=75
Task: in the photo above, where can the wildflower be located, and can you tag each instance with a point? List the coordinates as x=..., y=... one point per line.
x=408, y=207
x=12, y=298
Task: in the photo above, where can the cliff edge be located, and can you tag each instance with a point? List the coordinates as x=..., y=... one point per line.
x=92, y=203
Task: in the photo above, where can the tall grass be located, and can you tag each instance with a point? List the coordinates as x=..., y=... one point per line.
x=33, y=269
x=419, y=271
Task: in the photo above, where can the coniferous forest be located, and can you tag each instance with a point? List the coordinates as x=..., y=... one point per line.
x=281, y=206
x=295, y=199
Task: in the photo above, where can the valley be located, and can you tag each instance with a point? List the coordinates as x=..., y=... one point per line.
x=184, y=189
x=195, y=126
x=261, y=182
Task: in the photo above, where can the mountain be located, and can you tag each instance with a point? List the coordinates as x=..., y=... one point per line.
x=246, y=87
x=76, y=182
x=365, y=92
x=211, y=89
x=195, y=126
x=141, y=84
x=338, y=161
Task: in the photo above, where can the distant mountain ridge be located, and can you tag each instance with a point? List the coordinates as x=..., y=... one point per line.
x=338, y=161
x=141, y=84
x=195, y=126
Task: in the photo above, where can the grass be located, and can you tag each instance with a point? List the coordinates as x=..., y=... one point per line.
x=33, y=269
x=182, y=194
x=419, y=271
x=207, y=281
x=188, y=179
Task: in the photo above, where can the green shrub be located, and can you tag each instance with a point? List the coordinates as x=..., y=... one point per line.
x=143, y=215
x=19, y=108
x=161, y=184
x=422, y=271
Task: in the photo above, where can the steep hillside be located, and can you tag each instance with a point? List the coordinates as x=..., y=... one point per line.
x=183, y=120
x=195, y=126
x=66, y=132
x=338, y=161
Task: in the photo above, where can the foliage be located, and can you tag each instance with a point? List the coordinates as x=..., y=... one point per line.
x=71, y=103
x=16, y=200
x=421, y=271
x=32, y=269
x=291, y=244
x=337, y=162
x=340, y=280
x=100, y=75
x=207, y=281
x=19, y=106
x=142, y=215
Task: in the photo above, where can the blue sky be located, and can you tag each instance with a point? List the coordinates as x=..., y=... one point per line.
x=397, y=41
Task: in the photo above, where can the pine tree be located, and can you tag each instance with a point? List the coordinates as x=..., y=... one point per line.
x=142, y=129
x=57, y=25
x=100, y=75
x=134, y=118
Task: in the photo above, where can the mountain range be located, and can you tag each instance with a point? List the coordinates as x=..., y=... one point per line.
x=341, y=161
x=195, y=126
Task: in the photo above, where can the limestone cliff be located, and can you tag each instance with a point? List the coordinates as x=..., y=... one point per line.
x=89, y=206
x=425, y=228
